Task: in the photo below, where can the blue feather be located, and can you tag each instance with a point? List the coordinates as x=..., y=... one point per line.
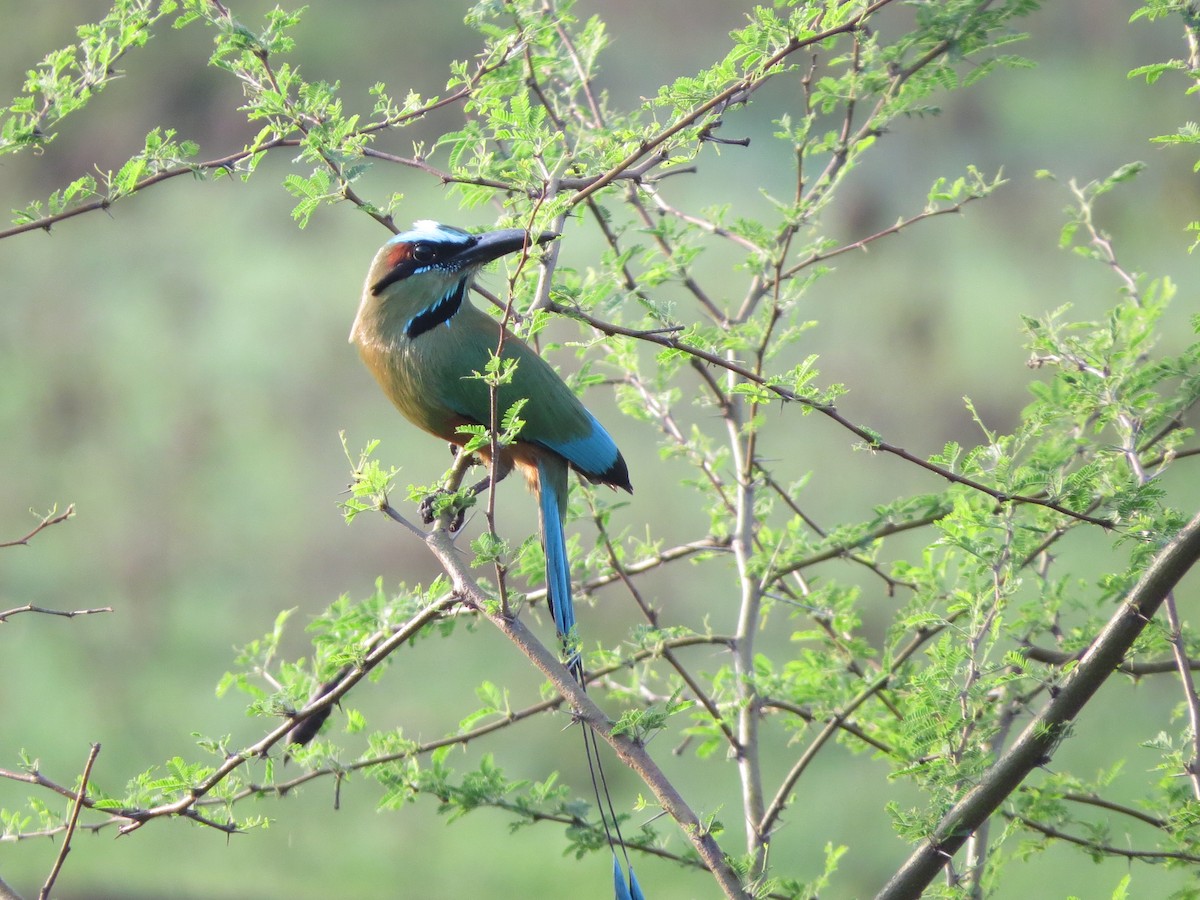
x=552, y=505
x=552, y=499
x=624, y=891
x=620, y=889
x=634, y=888
x=593, y=454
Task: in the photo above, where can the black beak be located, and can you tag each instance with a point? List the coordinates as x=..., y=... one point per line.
x=494, y=244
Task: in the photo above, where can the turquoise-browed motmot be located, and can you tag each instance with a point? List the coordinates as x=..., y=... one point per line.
x=425, y=342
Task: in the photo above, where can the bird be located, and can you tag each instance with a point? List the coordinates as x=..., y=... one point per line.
x=425, y=342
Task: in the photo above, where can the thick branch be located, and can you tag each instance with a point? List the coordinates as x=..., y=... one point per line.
x=1036, y=744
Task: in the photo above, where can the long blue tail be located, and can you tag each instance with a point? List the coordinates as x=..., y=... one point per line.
x=552, y=508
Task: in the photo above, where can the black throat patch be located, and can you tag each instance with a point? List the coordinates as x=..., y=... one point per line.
x=439, y=312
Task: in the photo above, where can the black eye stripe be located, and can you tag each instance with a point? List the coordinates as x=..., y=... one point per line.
x=420, y=256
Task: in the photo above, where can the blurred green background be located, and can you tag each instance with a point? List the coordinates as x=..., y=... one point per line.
x=178, y=369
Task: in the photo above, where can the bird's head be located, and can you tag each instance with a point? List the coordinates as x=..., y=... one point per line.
x=419, y=278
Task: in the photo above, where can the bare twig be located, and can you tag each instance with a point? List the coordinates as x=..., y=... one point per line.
x=839, y=720
x=1093, y=800
x=65, y=613
x=76, y=806
x=54, y=517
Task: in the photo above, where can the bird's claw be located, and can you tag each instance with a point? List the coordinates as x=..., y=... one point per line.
x=428, y=514
x=426, y=509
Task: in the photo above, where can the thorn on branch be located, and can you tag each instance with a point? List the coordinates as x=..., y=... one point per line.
x=707, y=135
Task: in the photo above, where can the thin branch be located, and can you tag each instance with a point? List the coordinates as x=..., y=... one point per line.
x=631, y=752
x=474, y=734
x=1098, y=848
x=392, y=513
x=1136, y=669
x=845, y=550
x=422, y=165
x=1093, y=800
x=978, y=845
x=681, y=270
x=94, y=73
x=782, y=795
x=44, y=893
x=863, y=244
x=669, y=425
x=54, y=517
x=229, y=162
x=1191, y=699
x=699, y=223
x=283, y=788
x=841, y=722
x=742, y=87
x=185, y=805
x=65, y=613
x=652, y=617
x=872, y=440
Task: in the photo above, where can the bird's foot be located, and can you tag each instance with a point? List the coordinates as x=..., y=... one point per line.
x=461, y=500
x=435, y=504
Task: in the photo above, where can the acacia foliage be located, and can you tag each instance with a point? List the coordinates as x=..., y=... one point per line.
x=989, y=619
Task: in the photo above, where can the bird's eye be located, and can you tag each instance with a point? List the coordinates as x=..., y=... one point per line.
x=423, y=253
